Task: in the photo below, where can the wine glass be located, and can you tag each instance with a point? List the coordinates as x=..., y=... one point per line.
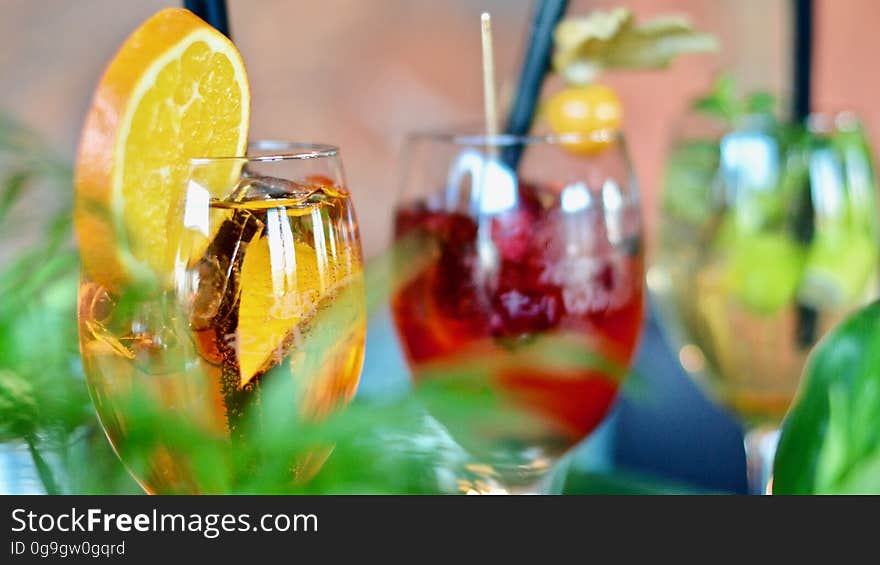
x=768, y=238
x=521, y=298
x=264, y=310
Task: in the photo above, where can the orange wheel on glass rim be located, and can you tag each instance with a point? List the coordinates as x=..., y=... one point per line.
x=176, y=89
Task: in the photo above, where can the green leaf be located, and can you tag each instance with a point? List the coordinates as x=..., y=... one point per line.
x=761, y=103
x=44, y=471
x=724, y=103
x=12, y=189
x=830, y=442
x=18, y=406
x=711, y=106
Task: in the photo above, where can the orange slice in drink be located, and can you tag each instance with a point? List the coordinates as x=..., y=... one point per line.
x=276, y=294
x=282, y=288
x=176, y=89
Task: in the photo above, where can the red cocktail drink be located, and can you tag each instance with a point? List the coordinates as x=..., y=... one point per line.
x=545, y=269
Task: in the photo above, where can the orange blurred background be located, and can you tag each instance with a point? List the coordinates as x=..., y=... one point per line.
x=361, y=74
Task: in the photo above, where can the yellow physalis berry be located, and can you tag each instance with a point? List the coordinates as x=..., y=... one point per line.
x=593, y=111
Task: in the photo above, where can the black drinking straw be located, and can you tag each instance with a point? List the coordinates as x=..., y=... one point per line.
x=535, y=65
x=212, y=11
x=802, y=59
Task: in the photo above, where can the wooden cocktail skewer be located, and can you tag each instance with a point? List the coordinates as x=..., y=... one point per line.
x=489, y=97
x=497, y=187
x=481, y=169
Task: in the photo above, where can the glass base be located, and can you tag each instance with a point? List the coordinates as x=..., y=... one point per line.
x=760, y=446
x=550, y=481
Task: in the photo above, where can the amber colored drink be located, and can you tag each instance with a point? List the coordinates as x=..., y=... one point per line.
x=550, y=273
x=249, y=305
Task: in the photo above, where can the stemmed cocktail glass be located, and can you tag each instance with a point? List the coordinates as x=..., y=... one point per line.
x=768, y=238
x=523, y=299
x=238, y=326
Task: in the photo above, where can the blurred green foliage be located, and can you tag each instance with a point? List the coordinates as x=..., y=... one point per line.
x=43, y=399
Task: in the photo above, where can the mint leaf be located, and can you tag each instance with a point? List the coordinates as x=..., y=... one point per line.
x=760, y=103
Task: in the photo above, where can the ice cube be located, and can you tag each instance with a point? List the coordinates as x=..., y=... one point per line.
x=258, y=187
x=209, y=292
x=216, y=273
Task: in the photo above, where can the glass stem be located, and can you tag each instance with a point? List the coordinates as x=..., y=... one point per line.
x=552, y=482
x=544, y=485
x=760, y=445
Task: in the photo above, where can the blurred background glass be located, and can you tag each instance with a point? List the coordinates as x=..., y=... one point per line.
x=768, y=239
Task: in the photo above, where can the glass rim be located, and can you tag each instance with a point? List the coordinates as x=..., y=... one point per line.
x=473, y=137
x=827, y=122
x=274, y=150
